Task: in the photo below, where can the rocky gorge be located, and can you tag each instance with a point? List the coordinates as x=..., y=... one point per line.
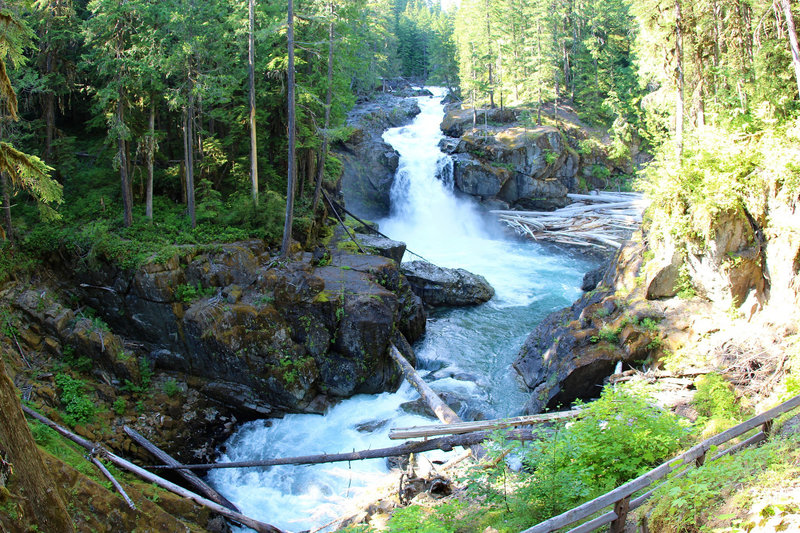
x=190, y=344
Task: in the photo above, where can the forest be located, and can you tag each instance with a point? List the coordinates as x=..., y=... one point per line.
x=185, y=103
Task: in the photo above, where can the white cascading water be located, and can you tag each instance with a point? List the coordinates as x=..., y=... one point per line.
x=468, y=351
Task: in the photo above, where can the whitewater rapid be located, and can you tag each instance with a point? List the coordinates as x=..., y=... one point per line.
x=467, y=351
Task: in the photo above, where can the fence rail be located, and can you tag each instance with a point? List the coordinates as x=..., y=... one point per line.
x=620, y=497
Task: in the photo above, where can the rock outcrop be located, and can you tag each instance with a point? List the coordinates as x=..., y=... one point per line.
x=382, y=246
x=573, y=350
x=439, y=286
x=368, y=163
x=661, y=294
x=261, y=339
x=503, y=163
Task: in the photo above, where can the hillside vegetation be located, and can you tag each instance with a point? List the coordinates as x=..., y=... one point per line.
x=136, y=136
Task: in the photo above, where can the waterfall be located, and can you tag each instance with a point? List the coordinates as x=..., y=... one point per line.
x=468, y=352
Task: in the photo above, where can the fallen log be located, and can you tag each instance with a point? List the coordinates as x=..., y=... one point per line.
x=100, y=466
x=481, y=425
x=442, y=443
x=261, y=527
x=204, y=488
x=439, y=408
x=603, y=220
x=600, y=197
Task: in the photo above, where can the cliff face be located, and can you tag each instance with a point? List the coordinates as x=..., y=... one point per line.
x=368, y=163
x=680, y=302
x=236, y=333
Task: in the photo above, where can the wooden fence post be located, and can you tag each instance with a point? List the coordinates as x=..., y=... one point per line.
x=700, y=460
x=621, y=510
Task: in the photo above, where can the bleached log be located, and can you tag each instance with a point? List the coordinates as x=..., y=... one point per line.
x=446, y=443
x=204, y=488
x=261, y=527
x=480, y=425
x=602, y=197
x=100, y=466
x=439, y=408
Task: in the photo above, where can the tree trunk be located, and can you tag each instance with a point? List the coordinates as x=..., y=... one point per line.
x=49, y=114
x=539, y=76
x=189, y=157
x=30, y=473
x=679, y=101
x=290, y=178
x=9, y=233
x=252, y=72
x=50, y=126
x=151, y=148
x=328, y=100
x=127, y=200
x=787, y=12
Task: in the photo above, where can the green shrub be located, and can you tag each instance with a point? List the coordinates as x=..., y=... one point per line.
x=119, y=405
x=171, y=387
x=79, y=408
x=188, y=293
x=609, y=334
x=684, y=503
x=715, y=398
x=620, y=436
x=601, y=172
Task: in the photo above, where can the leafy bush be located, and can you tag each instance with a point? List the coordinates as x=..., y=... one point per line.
x=119, y=405
x=715, y=399
x=683, y=504
x=79, y=408
x=171, y=387
x=620, y=436
x=189, y=293
x=416, y=519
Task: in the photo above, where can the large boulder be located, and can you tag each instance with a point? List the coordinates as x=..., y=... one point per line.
x=368, y=163
x=439, y=286
x=528, y=167
x=382, y=246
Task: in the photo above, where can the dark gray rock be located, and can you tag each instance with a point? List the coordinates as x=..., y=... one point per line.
x=592, y=279
x=472, y=176
x=382, y=246
x=368, y=163
x=439, y=286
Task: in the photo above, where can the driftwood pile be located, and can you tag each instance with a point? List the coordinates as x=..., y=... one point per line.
x=600, y=219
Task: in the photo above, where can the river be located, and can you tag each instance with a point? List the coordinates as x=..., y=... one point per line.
x=467, y=351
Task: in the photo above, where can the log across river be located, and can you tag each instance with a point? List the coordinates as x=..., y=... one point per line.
x=465, y=355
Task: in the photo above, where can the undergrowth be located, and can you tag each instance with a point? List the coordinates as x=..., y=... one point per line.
x=685, y=504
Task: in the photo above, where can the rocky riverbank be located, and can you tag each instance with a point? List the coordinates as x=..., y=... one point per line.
x=236, y=333
x=677, y=309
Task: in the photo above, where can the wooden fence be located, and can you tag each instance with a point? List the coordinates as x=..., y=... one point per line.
x=620, y=497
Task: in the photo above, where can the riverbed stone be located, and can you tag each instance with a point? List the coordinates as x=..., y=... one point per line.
x=382, y=246
x=439, y=286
